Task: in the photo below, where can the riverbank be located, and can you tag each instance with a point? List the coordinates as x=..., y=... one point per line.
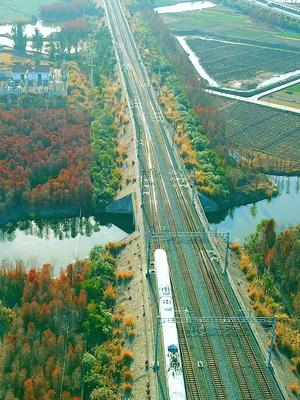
x=241, y=221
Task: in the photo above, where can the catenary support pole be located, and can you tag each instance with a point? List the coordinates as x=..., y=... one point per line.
x=226, y=252
x=272, y=342
x=148, y=253
x=155, y=365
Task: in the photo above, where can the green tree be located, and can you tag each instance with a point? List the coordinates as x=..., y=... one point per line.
x=100, y=321
x=103, y=394
x=37, y=41
x=19, y=37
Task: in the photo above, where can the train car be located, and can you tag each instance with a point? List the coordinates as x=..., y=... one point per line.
x=173, y=364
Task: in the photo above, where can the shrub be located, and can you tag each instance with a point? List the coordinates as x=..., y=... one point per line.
x=236, y=247
x=251, y=274
x=126, y=357
x=294, y=388
x=296, y=364
x=115, y=247
x=127, y=388
x=110, y=296
x=129, y=320
x=128, y=376
x=117, y=318
x=124, y=276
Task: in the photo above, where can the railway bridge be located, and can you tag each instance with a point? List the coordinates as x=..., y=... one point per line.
x=234, y=367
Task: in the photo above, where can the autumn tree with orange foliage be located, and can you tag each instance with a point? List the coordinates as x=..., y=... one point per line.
x=271, y=261
x=50, y=349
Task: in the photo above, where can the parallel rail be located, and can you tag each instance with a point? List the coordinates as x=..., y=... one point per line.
x=159, y=155
x=224, y=307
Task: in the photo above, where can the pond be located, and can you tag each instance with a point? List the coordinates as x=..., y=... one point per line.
x=187, y=6
x=57, y=241
x=29, y=29
x=241, y=221
x=46, y=30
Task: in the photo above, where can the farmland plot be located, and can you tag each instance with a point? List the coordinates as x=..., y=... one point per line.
x=225, y=22
x=261, y=128
x=242, y=65
x=287, y=97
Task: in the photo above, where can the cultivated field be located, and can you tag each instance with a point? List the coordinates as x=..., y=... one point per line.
x=12, y=10
x=261, y=128
x=225, y=22
x=241, y=65
x=287, y=97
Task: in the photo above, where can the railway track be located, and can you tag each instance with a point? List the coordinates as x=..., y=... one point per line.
x=170, y=205
x=189, y=362
x=223, y=307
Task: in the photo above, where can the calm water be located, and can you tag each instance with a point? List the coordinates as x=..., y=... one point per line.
x=285, y=209
x=46, y=31
x=58, y=242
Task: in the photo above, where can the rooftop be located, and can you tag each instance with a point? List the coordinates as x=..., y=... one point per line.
x=24, y=68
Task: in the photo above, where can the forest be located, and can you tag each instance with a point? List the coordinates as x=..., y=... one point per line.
x=49, y=348
x=70, y=9
x=44, y=158
x=271, y=262
x=63, y=152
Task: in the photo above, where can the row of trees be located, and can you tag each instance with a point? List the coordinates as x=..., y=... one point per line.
x=49, y=347
x=279, y=256
x=271, y=16
x=69, y=9
x=20, y=38
x=271, y=262
x=60, y=43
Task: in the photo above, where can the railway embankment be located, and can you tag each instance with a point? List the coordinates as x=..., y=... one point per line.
x=134, y=297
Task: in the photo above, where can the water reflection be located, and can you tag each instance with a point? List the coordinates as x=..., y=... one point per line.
x=285, y=209
x=58, y=241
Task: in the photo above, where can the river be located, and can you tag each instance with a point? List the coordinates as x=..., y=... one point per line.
x=241, y=221
x=56, y=241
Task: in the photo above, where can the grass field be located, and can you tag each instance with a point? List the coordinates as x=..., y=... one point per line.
x=261, y=128
x=243, y=66
x=287, y=97
x=13, y=10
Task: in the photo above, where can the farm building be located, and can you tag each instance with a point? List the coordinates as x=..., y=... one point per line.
x=23, y=78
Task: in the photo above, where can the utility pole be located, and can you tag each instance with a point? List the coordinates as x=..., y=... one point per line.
x=193, y=188
x=155, y=365
x=226, y=252
x=142, y=188
x=274, y=324
x=148, y=253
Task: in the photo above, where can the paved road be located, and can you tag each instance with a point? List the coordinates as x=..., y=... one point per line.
x=164, y=183
x=277, y=9
x=255, y=99
x=212, y=83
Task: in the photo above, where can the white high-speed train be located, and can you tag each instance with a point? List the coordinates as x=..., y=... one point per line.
x=173, y=362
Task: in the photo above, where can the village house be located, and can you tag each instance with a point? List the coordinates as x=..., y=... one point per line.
x=31, y=74
x=24, y=78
